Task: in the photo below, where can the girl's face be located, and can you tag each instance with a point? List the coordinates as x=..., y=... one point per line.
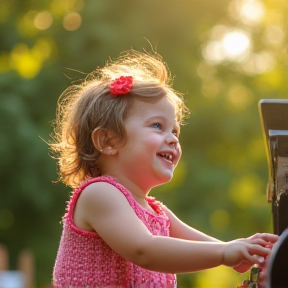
x=152, y=148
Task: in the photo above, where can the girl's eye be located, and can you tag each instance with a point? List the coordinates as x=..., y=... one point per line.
x=157, y=126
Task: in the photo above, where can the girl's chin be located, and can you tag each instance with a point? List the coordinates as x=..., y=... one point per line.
x=164, y=178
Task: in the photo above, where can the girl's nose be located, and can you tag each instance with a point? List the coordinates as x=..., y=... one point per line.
x=172, y=140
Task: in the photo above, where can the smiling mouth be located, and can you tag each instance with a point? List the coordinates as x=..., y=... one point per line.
x=167, y=157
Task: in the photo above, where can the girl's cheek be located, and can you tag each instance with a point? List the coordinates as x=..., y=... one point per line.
x=155, y=140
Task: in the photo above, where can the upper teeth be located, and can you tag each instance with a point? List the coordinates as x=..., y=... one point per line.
x=167, y=156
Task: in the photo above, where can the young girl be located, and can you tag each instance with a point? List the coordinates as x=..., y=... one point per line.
x=117, y=138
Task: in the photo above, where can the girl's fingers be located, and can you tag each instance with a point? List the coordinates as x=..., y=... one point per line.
x=257, y=259
x=259, y=253
x=260, y=259
x=251, y=258
x=261, y=242
x=265, y=236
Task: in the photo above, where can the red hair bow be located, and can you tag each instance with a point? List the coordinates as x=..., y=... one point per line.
x=121, y=85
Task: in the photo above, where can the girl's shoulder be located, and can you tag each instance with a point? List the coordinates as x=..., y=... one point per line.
x=98, y=186
x=105, y=191
x=103, y=199
x=94, y=199
x=99, y=180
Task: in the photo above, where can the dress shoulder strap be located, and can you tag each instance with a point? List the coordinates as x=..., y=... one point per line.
x=108, y=179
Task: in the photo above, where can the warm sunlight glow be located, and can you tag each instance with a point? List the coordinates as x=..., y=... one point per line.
x=25, y=61
x=232, y=44
x=28, y=61
x=248, y=11
x=72, y=21
x=259, y=63
x=43, y=20
x=25, y=24
x=274, y=35
x=43, y=49
x=239, y=97
x=245, y=191
x=211, y=87
x=213, y=52
x=252, y=11
x=62, y=7
x=235, y=44
x=218, y=31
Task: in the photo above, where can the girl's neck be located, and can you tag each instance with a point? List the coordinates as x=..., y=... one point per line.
x=137, y=192
x=141, y=201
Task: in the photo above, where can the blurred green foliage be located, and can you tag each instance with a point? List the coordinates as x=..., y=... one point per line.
x=225, y=55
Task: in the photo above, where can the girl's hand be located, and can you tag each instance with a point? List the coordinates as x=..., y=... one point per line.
x=241, y=254
x=263, y=239
x=263, y=273
x=270, y=239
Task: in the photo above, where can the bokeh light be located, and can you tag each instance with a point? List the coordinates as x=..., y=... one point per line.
x=244, y=191
x=258, y=63
x=239, y=96
x=274, y=35
x=72, y=21
x=23, y=60
x=247, y=11
x=62, y=7
x=28, y=61
x=25, y=24
x=43, y=20
x=233, y=45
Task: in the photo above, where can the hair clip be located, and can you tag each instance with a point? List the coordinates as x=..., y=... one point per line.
x=121, y=85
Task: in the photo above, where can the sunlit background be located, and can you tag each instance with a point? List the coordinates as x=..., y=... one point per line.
x=226, y=55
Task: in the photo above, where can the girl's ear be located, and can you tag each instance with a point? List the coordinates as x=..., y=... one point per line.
x=103, y=141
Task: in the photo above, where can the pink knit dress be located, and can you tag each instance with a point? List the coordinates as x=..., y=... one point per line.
x=85, y=260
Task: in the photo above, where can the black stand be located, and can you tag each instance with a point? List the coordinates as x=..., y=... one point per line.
x=277, y=269
x=274, y=118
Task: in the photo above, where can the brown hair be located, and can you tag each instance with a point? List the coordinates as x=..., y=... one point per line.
x=84, y=107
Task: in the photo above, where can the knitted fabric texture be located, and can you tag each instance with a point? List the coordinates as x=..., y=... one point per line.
x=85, y=260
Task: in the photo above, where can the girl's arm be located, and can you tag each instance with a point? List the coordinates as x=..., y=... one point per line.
x=179, y=229
x=108, y=212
